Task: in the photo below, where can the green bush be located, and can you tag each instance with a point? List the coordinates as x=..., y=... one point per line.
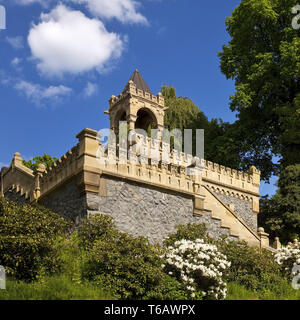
x=94, y=228
x=129, y=267
x=188, y=232
x=27, y=239
x=252, y=267
x=169, y=288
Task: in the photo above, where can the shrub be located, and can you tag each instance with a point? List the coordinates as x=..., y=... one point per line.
x=129, y=267
x=169, y=288
x=252, y=267
x=188, y=232
x=287, y=258
x=199, y=266
x=94, y=228
x=27, y=239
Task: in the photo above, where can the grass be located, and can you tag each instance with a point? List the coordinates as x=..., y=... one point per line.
x=66, y=285
x=53, y=288
x=64, y=288
x=238, y=292
x=281, y=291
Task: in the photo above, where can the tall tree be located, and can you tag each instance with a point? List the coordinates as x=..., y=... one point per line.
x=221, y=139
x=280, y=215
x=263, y=58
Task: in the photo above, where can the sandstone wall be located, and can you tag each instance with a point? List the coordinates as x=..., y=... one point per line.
x=143, y=211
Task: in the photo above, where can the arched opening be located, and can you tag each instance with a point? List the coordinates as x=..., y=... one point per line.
x=120, y=116
x=146, y=120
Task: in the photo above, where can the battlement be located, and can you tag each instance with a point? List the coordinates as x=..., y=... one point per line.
x=88, y=169
x=131, y=89
x=64, y=168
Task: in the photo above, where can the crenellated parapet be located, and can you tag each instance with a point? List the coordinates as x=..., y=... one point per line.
x=62, y=170
x=132, y=90
x=248, y=181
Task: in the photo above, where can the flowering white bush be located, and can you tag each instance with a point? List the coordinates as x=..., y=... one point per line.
x=288, y=257
x=199, y=266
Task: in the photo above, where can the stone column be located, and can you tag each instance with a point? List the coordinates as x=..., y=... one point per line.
x=17, y=160
x=131, y=119
x=37, y=186
x=276, y=243
x=88, y=164
x=264, y=238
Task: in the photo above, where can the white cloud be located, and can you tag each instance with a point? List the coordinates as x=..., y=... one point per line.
x=29, y=2
x=123, y=10
x=66, y=41
x=15, y=42
x=15, y=61
x=39, y=94
x=90, y=89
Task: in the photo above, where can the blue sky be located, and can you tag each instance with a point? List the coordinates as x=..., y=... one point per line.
x=60, y=61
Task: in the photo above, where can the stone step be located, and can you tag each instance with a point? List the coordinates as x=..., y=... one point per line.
x=228, y=218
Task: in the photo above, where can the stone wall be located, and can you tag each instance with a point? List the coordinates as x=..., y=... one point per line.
x=67, y=201
x=243, y=208
x=15, y=196
x=145, y=211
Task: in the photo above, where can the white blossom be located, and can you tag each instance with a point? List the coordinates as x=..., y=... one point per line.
x=198, y=260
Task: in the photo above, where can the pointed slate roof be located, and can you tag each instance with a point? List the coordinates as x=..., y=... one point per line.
x=139, y=81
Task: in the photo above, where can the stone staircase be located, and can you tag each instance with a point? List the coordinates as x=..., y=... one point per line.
x=228, y=218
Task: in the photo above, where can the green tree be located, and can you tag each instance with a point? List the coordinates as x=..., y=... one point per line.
x=263, y=58
x=182, y=112
x=281, y=214
x=221, y=139
x=46, y=160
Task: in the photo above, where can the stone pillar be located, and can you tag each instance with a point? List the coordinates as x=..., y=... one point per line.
x=17, y=160
x=37, y=187
x=276, y=244
x=264, y=238
x=131, y=119
x=88, y=163
x=88, y=143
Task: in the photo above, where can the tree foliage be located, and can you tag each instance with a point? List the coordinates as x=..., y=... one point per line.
x=219, y=137
x=45, y=159
x=263, y=58
x=281, y=214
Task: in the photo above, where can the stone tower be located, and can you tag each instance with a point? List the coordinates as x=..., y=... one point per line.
x=137, y=105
